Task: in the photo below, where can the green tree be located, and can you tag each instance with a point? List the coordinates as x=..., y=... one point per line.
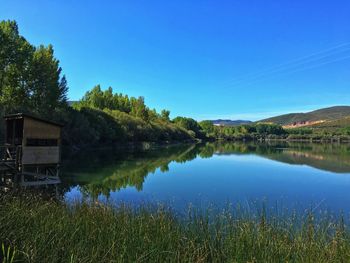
x=109, y=101
x=93, y=98
x=139, y=109
x=47, y=89
x=265, y=129
x=346, y=130
x=30, y=78
x=15, y=61
x=165, y=115
x=190, y=125
x=207, y=126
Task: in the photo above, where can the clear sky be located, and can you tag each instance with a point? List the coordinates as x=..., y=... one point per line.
x=203, y=59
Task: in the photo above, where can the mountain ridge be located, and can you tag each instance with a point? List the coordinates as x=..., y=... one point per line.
x=310, y=118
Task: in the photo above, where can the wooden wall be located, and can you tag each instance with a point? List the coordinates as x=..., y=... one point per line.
x=40, y=155
x=35, y=129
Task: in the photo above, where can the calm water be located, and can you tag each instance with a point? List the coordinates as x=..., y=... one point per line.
x=291, y=175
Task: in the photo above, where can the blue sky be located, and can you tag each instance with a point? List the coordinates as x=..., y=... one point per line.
x=203, y=59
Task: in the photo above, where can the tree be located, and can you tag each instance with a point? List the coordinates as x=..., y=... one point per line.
x=15, y=58
x=189, y=124
x=139, y=109
x=207, y=126
x=30, y=78
x=265, y=128
x=346, y=130
x=47, y=88
x=165, y=115
x=93, y=98
x=109, y=101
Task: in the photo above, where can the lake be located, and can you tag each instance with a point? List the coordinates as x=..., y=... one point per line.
x=288, y=175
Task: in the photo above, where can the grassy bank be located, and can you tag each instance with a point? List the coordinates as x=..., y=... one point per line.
x=47, y=231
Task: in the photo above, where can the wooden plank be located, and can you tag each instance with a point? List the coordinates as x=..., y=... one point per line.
x=40, y=130
x=40, y=155
x=43, y=176
x=8, y=165
x=34, y=183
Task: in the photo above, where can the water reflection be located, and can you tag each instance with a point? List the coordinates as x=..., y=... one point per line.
x=328, y=157
x=102, y=171
x=108, y=170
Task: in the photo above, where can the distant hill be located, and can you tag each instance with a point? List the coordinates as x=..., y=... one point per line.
x=332, y=125
x=310, y=118
x=71, y=102
x=220, y=122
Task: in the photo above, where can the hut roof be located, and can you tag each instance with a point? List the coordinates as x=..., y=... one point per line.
x=26, y=115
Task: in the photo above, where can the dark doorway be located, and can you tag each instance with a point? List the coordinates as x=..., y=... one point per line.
x=14, y=131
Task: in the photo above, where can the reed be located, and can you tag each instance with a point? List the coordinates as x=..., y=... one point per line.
x=33, y=230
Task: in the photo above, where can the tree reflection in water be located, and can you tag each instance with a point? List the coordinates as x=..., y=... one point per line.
x=102, y=171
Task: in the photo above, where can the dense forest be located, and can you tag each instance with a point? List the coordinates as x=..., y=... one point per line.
x=31, y=81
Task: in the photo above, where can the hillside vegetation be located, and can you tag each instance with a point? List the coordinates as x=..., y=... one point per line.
x=343, y=122
x=326, y=114
x=341, y=125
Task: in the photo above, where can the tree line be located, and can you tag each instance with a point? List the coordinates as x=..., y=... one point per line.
x=99, y=99
x=31, y=81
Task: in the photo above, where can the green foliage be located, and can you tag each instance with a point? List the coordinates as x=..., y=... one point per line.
x=207, y=126
x=165, y=115
x=300, y=131
x=189, y=124
x=111, y=126
x=139, y=109
x=15, y=60
x=7, y=254
x=54, y=232
x=264, y=129
x=30, y=77
x=98, y=99
x=247, y=131
x=48, y=90
x=346, y=130
x=114, y=117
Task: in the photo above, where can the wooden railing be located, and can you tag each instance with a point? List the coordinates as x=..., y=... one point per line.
x=12, y=162
x=10, y=157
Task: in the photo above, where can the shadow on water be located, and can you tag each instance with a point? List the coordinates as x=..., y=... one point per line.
x=102, y=171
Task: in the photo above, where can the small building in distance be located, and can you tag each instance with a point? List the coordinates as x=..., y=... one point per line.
x=32, y=145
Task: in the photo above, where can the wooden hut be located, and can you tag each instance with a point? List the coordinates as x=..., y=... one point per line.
x=32, y=145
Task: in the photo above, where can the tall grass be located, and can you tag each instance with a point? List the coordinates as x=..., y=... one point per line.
x=48, y=231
